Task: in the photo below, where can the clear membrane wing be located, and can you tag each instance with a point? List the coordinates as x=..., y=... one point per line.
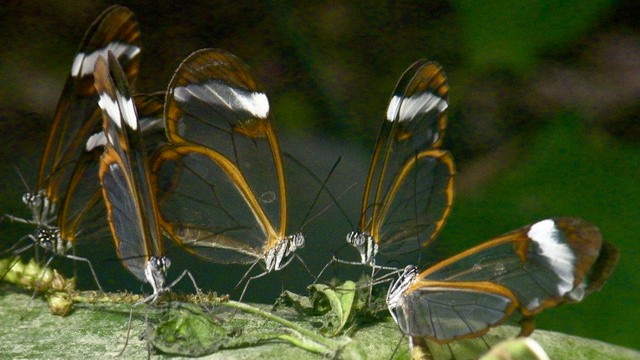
x=446, y=311
x=543, y=264
x=214, y=101
x=207, y=206
x=403, y=164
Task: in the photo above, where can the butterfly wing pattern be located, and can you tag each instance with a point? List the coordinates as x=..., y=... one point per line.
x=124, y=175
x=539, y=266
x=221, y=180
x=409, y=189
x=77, y=115
x=66, y=203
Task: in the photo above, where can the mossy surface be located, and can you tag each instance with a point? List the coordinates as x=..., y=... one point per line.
x=29, y=331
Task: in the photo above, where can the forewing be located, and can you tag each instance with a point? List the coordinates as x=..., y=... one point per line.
x=543, y=264
x=123, y=214
x=214, y=101
x=77, y=115
x=83, y=213
x=150, y=109
x=124, y=171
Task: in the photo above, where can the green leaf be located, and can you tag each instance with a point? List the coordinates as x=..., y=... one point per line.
x=188, y=330
x=339, y=304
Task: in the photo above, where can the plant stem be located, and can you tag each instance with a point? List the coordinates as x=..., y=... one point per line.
x=312, y=335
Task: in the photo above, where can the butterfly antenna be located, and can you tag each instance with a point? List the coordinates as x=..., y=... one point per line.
x=330, y=205
x=24, y=181
x=323, y=186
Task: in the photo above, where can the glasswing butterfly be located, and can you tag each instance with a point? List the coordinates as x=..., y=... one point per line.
x=536, y=267
x=124, y=175
x=67, y=190
x=221, y=178
x=409, y=189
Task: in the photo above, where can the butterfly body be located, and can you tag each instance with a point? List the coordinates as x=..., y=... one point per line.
x=365, y=244
x=278, y=256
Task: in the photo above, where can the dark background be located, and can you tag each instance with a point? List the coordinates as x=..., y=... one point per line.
x=543, y=118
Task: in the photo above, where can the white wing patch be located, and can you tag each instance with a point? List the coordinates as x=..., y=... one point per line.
x=96, y=140
x=110, y=106
x=405, y=109
x=83, y=64
x=218, y=93
x=130, y=116
x=561, y=257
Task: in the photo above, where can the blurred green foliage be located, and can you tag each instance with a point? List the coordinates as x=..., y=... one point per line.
x=511, y=35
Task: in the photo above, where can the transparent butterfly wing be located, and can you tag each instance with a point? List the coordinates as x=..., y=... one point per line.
x=77, y=115
x=447, y=311
x=83, y=213
x=214, y=101
x=409, y=189
x=209, y=218
x=124, y=174
x=417, y=203
x=543, y=264
x=222, y=186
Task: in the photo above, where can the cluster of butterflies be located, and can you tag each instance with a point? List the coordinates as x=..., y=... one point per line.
x=202, y=164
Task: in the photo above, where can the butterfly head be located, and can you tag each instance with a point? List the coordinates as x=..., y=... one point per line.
x=280, y=255
x=156, y=272
x=39, y=204
x=365, y=244
x=296, y=241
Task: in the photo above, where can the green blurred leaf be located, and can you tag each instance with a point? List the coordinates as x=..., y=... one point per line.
x=510, y=35
x=188, y=330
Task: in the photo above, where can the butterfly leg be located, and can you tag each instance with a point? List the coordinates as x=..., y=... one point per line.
x=303, y=264
x=244, y=277
x=126, y=341
x=79, y=258
x=335, y=260
x=17, y=219
x=22, y=249
x=193, y=281
x=248, y=281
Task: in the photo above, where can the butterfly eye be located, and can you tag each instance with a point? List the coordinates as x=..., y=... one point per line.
x=356, y=239
x=298, y=240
